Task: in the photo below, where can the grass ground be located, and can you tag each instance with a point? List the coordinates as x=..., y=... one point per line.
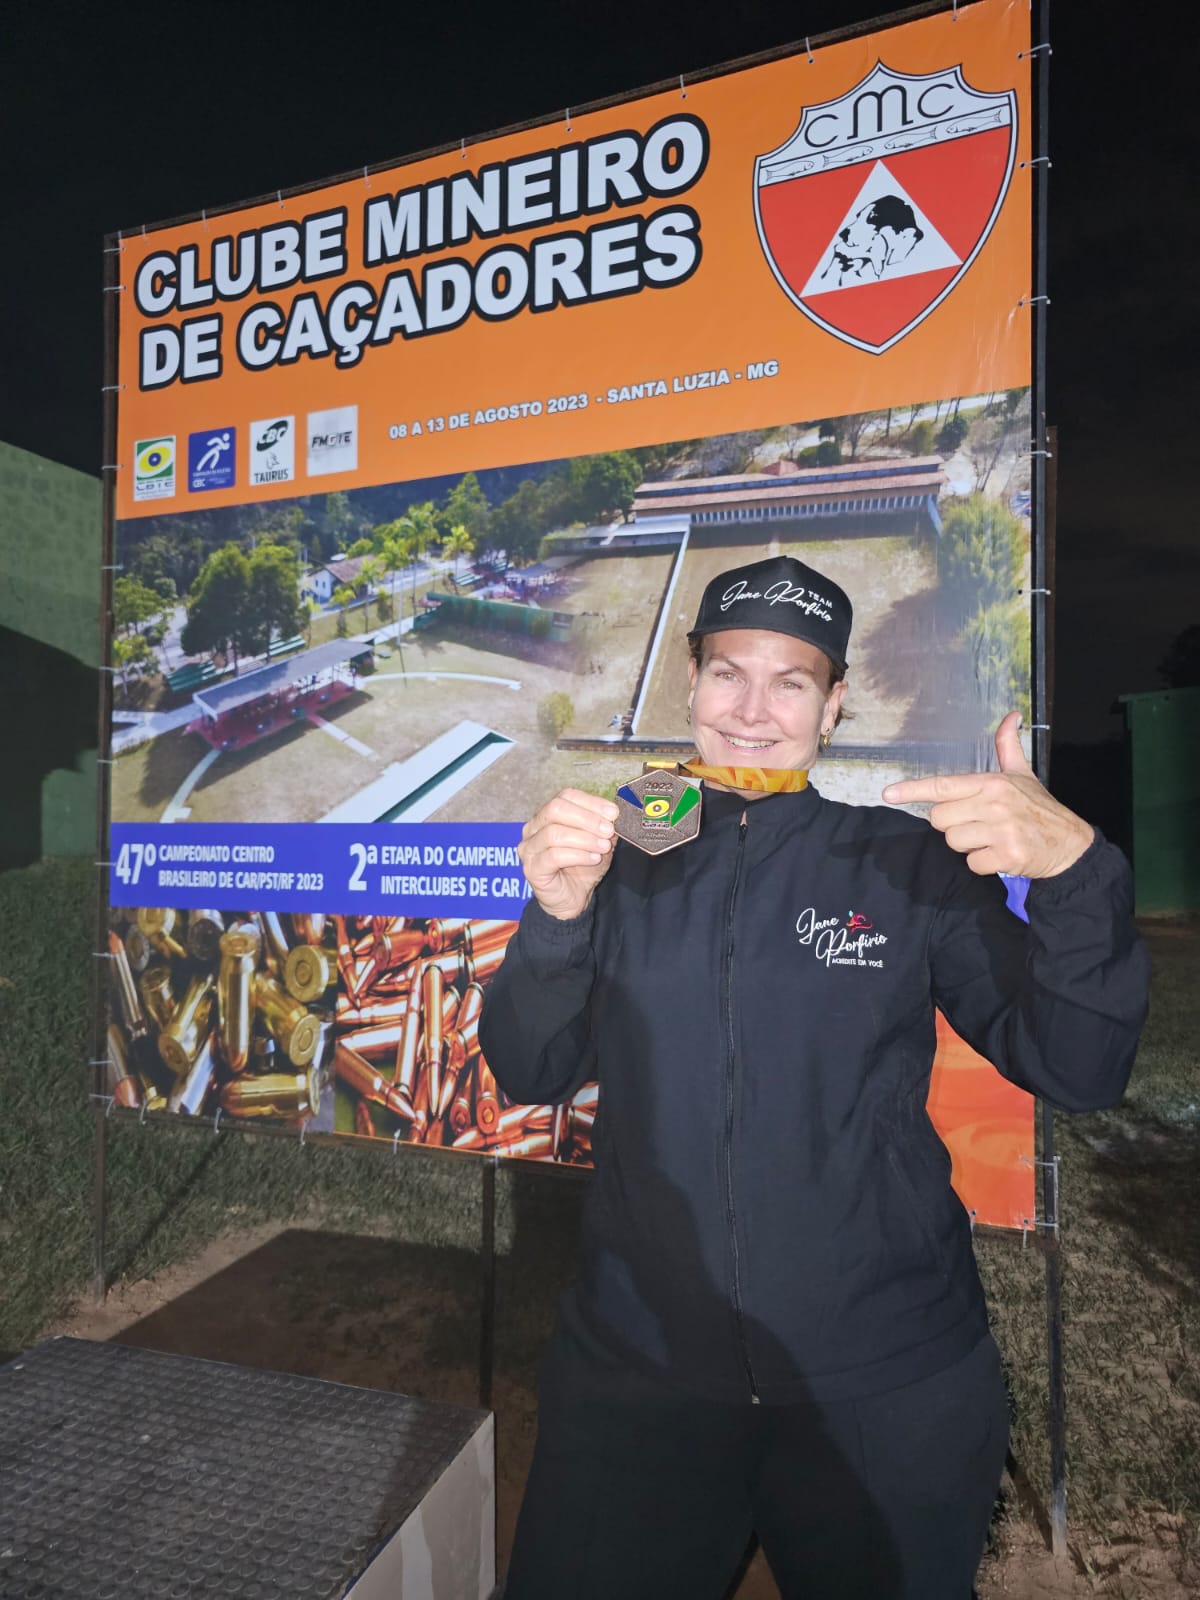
x=1130, y=1196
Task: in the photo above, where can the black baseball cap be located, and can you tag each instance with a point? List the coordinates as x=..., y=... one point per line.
x=779, y=595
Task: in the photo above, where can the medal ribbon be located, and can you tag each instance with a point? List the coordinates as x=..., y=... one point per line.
x=772, y=780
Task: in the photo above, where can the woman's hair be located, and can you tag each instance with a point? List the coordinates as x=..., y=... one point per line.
x=696, y=643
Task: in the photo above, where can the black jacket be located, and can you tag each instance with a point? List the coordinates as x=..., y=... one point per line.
x=771, y=1215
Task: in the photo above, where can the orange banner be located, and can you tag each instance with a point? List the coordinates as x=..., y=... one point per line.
x=804, y=237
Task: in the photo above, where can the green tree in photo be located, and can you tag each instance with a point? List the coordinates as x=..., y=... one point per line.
x=273, y=602
x=555, y=714
x=217, y=608
x=981, y=555
x=603, y=484
x=951, y=434
x=467, y=507
x=458, y=543
x=134, y=603
x=920, y=438
x=370, y=576
x=132, y=656
x=343, y=598
x=997, y=645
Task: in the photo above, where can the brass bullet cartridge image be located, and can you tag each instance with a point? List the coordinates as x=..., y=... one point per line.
x=138, y=949
x=309, y=926
x=239, y=953
x=275, y=1094
x=190, y=1095
x=204, y=930
x=120, y=1082
x=164, y=928
x=255, y=1012
x=158, y=996
x=180, y=1042
x=295, y=1030
x=309, y=970
x=129, y=1005
x=274, y=942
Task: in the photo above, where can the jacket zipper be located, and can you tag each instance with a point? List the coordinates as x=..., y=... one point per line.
x=737, y=1288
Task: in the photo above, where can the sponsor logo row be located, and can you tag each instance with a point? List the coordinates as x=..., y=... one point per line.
x=330, y=443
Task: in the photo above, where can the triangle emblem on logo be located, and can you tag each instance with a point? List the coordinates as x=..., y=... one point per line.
x=874, y=209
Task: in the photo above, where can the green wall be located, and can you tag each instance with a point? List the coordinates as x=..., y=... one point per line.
x=50, y=557
x=1163, y=737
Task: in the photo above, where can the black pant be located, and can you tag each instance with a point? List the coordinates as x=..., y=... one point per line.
x=639, y=1490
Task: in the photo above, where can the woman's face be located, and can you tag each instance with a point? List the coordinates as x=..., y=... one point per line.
x=761, y=700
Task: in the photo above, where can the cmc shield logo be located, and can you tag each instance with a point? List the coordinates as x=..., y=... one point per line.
x=876, y=206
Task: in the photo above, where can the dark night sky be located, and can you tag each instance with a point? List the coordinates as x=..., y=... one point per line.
x=114, y=115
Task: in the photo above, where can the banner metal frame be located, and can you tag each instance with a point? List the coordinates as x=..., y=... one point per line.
x=1046, y=1232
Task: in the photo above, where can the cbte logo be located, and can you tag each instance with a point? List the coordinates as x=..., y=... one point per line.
x=273, y=450
x=333, y=440
x=154, y=468
x=212, y=459
x=874, y=209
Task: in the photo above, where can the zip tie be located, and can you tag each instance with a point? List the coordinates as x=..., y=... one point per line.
x=116, y=567
x=111, y=388
x=462, y=146
x=217, y=1119
x=111, y=466
x=105, y=761
x=102, y=863
x=568, y=119
x=972, y=1214
x=1026, y=455
x=113, y=288
x=1041, y=591
x=303, y=1131
x=1021, y=54
x=1039, y=727
x=114, y=249
x=367, y=182
x=954, y=18
x=1038, y=161
x=396, y=1142
x=108, y=1110
x=1024, y=1232
x=104, y=955
x=682, y=90
x=1032, y=299
x=279, y=197
x=808, y=52
x=204, y=218
x=142, y=1114
x=107, y=669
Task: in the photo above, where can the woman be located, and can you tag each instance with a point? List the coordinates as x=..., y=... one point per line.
x=778, y=1324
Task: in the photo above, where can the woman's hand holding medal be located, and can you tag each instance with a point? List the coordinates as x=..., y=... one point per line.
x=566, y=848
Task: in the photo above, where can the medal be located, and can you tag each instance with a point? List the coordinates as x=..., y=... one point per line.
x=659, y=810
x=662, y=808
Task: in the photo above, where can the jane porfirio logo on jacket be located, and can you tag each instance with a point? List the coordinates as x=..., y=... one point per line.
x=849, y=941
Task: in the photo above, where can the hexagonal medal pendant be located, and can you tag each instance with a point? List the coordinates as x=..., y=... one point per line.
x=659, y=810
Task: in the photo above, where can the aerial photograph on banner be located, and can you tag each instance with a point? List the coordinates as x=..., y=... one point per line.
x=456, y=649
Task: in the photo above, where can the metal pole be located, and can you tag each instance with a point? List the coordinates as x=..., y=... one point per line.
x=112, y=281
x=99, y=1208
x=1054, y=1340
x=1042, y=473
x=487, y=1310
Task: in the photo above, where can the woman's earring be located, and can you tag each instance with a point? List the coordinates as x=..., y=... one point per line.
x=689, y=714
x=826, y=740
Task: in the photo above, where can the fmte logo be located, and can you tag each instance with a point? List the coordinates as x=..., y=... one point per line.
x=876, y=206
